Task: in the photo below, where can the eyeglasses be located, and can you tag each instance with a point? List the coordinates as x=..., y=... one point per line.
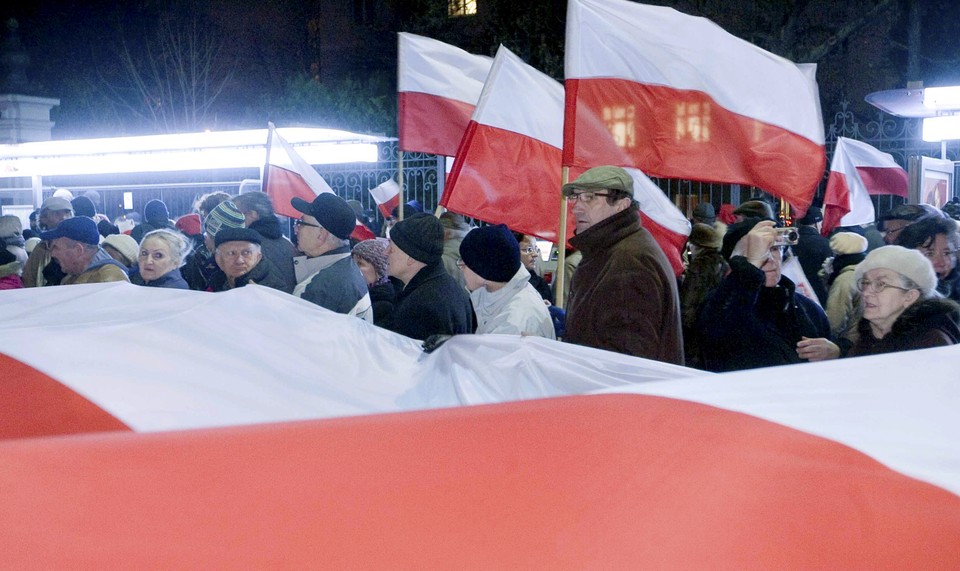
x=301, y=222
x=876, y=286
x=530, y=250
x=932, y=254
x=585, y=197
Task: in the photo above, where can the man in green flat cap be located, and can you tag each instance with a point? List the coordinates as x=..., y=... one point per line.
x=623, y=296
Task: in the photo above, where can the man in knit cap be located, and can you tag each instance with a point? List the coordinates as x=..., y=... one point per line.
x=623, y=296
x=41, y=268
x=431, y=302
x=202, y=268
x=258, y=212
x=503, y=299
x=155, y=217
x=332, y=278
x=74, y=243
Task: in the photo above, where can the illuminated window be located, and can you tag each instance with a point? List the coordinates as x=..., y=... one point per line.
x=693, y=122
x=619, y=121
x=461, y=7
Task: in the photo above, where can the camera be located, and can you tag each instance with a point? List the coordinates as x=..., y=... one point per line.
x=786, y=236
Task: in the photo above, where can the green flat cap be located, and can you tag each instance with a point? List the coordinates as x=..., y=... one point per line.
x=601, y=178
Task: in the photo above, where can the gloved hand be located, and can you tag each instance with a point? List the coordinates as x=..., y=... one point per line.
x=434, y=341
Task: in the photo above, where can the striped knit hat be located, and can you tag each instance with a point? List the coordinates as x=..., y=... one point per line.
x=225, y=215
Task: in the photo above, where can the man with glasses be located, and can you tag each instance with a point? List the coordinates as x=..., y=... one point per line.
x=755, y=318
x=239, y=256
x=893, y=223
x=623, y=297
x=331, y=278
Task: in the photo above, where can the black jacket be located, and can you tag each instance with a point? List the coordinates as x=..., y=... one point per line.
x=277, y=249
x=744, y=325
x=431, y=304
x=812, y=249
x=264, y=273
x=172, y=279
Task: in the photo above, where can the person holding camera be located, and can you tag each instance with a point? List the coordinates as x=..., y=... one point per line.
x=755, y=317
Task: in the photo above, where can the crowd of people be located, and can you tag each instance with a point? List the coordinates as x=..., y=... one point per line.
x=859, y=291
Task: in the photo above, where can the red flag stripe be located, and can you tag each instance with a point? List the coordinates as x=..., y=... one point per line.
x=525, y=199
x=672, y=133
x=53, y=407
x=881, y=180
x=610, y=482
x=431, y=124
x=285, y=185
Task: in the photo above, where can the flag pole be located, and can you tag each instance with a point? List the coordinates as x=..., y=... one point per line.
x=400, y=200
x=561, y=243
x=266, y=164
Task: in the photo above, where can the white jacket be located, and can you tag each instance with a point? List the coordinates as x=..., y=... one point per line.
x=514, y=309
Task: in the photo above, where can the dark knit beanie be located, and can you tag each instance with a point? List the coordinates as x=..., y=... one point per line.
x=375, y=253
x=419, y=236
x=735, y=232
x=224, y=215
x=491, y=252
x=83, y=206
x=156, y=213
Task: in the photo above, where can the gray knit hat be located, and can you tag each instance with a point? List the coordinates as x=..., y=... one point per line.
x=224, y=215
x=909, y=263
x=419, y=236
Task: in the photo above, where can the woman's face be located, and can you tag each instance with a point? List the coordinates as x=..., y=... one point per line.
x=941, y=254
x=155, y=259
x=883, y=307
x=366, y=268
x=529, y=253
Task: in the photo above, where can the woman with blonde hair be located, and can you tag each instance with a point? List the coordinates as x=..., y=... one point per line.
x=162, y=253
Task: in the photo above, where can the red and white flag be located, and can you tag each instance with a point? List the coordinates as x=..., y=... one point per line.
x=679, y=97
x=438, y=86
x=857, y=171
x=507, y=169
x=286, y=175
x=387, y=196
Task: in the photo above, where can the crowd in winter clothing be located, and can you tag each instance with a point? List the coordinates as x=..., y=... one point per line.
x=744, y=300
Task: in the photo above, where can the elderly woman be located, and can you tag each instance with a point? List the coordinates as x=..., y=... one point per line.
x=901, y=307
x=503, y=299
x=371, y=258
x=937, y=239
x=161, y=254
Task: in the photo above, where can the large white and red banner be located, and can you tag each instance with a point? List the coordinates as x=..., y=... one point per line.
x=508, y=168
x=438, y=86
x=857, y=171
x=161, y=398
x=677, y=96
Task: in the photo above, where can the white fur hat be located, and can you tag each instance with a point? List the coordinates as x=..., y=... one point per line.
x=909, y=263
x=848, y=243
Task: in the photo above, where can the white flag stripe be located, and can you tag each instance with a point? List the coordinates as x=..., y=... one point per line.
x=283, y=155
x=859, y=154
x=735, y=73
x=497, y=107
x=384, y=191
x=430, y=66
x=655, y=204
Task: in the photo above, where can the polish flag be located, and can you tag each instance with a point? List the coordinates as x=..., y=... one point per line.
x=438, y=86
x=507, y=169
x=387, y=196
x=681, y=98
x=286, y=175
x=758, y=469
x=857, y=171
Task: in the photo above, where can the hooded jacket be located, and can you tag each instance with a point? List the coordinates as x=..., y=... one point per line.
x=514, y=309
x=927, y=323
